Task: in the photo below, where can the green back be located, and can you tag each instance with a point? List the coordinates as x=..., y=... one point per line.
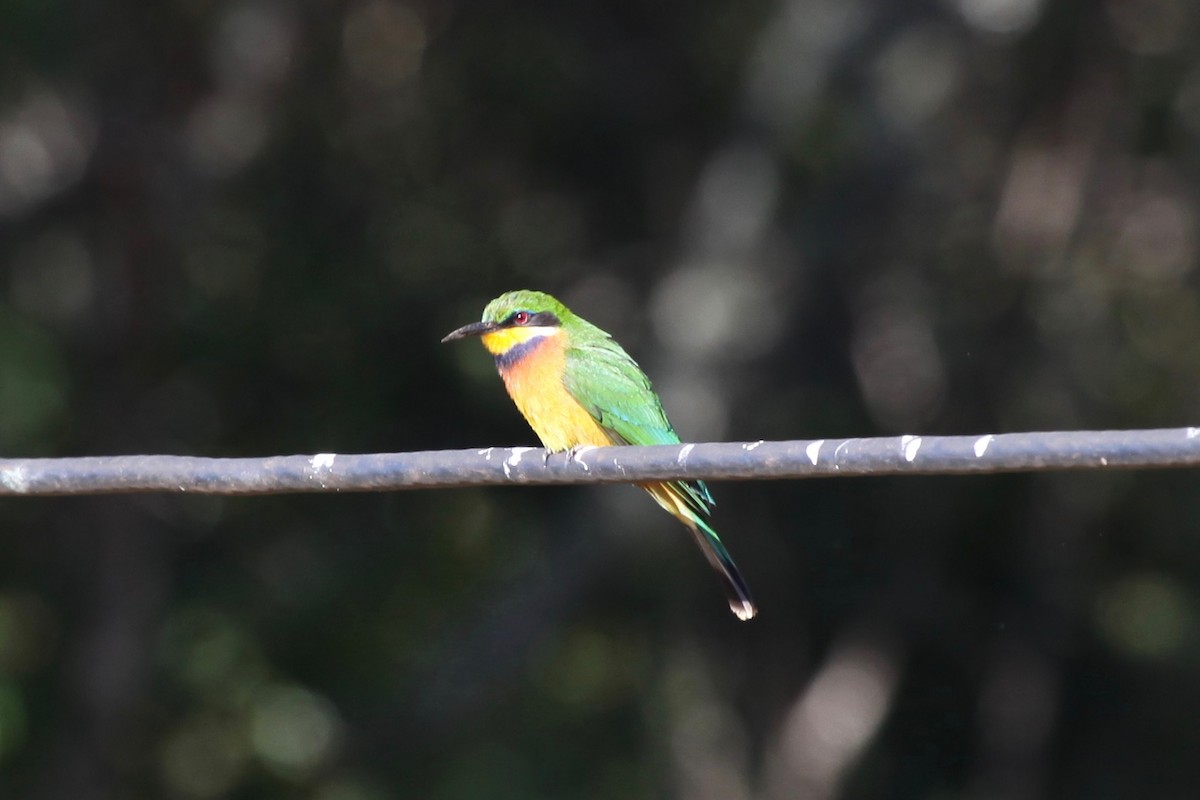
x=612, y=387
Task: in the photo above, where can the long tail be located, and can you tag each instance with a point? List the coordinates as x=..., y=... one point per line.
x=686, y=503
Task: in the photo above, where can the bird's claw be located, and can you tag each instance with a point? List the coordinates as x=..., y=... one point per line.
x=571, y=453
x=575, y=454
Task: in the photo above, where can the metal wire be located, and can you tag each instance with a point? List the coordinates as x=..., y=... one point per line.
x=497, y=466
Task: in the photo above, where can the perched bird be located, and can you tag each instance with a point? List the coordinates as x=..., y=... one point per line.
x=575, y=387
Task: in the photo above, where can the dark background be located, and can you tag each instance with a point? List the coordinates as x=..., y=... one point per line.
x=241, y=228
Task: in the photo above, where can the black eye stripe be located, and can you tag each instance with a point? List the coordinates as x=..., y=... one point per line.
x=542, y=319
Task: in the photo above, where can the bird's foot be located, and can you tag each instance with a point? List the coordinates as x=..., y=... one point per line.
x=575, y=454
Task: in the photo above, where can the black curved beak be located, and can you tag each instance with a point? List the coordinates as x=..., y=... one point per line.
x=474, y=329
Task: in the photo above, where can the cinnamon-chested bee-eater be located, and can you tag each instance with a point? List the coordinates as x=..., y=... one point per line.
x=576, y=387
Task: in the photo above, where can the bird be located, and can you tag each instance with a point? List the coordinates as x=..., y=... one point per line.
x=576, y=387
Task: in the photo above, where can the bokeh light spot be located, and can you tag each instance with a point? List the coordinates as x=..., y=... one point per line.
x=253, y=47
x=710, y=310
x=225, y=133
x=896, y=356
x=45, y=144
x=737, y=197
x=917, y=74
x=211, y=654
x=204, y=757
x=1006, y=17
x=1145, y=615
x=293, y=730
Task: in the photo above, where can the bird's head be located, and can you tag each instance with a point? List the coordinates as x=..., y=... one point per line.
x=515, y=318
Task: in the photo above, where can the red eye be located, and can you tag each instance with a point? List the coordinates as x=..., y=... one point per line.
x=521, y=317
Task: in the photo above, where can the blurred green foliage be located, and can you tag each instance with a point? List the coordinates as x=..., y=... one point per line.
x=233, y=228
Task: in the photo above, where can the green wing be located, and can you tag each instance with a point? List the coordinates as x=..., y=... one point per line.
x=606, y=381
x=615, y=391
